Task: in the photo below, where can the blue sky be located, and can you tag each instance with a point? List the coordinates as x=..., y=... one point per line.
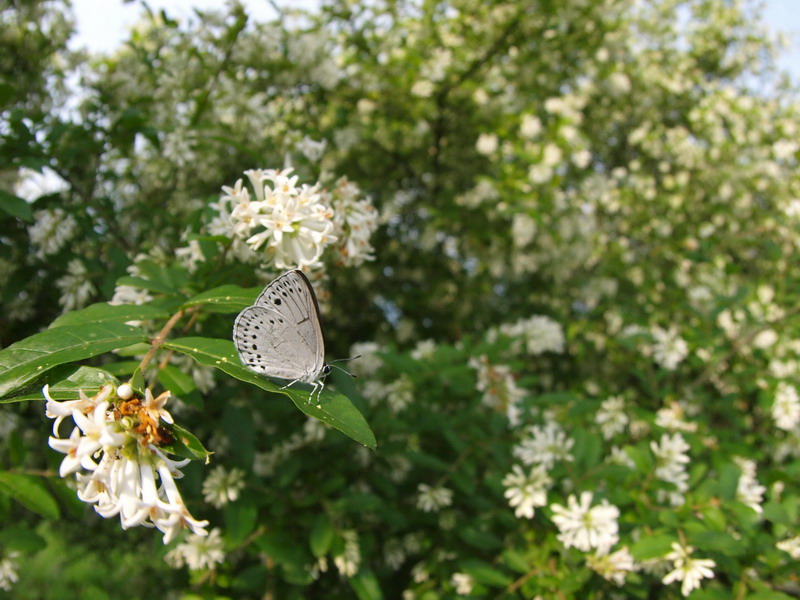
x=102, y=24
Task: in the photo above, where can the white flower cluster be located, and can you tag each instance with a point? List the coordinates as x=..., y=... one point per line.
x=614, y=566
x=584, y=526
x=669, y=348
x=462, y=583
x=75, y=287
x=611, y=417
x=289, y=221
x=689, y=571
x=544, y=446
x=790, y=546
x=51, y=230
x=433, y=498
x=526, y=491
x=354, y=222
x=350, y=558
x=8, y=570
x=223, y=486
x=539, y=334
x=786, y=407
x=291, y=225
x=748, y=490
x=671, y=461
x=114, y=453
x=198, y=552
x=500, y=391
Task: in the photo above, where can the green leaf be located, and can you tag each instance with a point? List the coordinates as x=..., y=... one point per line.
x=321, y=535
x=516, y=560
x=485, y=573
x=146, y=284
x=334, y=409
x=240, y=521
x=102, y=312
x=652, y=546
x=185, y=444
x=15, y=206
x=181, y=384
x=366, y=585
x=30, y=492
x=479, y=538
x=225, y=299
x=31, y=357
x=22, y=539
x=767, y=594
x=66, y=381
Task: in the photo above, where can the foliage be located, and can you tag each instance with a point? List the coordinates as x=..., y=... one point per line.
x=577, y=311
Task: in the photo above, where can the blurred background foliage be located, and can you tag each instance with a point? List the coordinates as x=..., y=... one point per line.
x=628, y=170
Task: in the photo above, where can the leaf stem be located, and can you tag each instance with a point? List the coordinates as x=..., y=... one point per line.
x=157, y=341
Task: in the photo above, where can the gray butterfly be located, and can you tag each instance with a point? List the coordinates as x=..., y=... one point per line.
x=281, y=336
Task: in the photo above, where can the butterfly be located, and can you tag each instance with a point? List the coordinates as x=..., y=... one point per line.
x=281, y=335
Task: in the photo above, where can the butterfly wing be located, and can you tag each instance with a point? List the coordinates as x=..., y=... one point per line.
x=280, y=335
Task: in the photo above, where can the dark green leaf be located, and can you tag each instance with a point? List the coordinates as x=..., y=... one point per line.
x=652, y=546
x=21, y=538
x=146, y=284
x=29, y=358
x=186, y=444
x=485, y=573
x=334, y=409
x=66, y=381
x=102, y=312
x=30, y=492
x=15, y=206
x=321, y=535
x=366, y=585
x=240, y=521
x=181, y=384
x=226, y=298
x=480, y=539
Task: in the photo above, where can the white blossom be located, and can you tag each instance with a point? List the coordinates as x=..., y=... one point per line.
x=671, y=461
x=526, y=491
x=614, y=566
x=538, y=333
x=75, y=286
x=51, y=230
x=289, y=224
x=611, y=416
x=463, y=583
x=544, y=446
x=786, y=407
x=584, y=526
x=689, y=571
x=8, y=570
x=198, y=552
x=748, y=490
x=487, y=143
x=791, y=546
x=433, y=498
x=222, y=486
x=312, y=149
x=349, y=560
x=133, y=478
x=669, y=348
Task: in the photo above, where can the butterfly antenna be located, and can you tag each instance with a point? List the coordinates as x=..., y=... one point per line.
x=344, y=370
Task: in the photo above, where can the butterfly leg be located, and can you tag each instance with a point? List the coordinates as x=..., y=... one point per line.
x=290, y=384
x=318, y=387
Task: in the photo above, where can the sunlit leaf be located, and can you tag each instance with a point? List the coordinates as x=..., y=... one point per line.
x=31, y=357
x=334, y=409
